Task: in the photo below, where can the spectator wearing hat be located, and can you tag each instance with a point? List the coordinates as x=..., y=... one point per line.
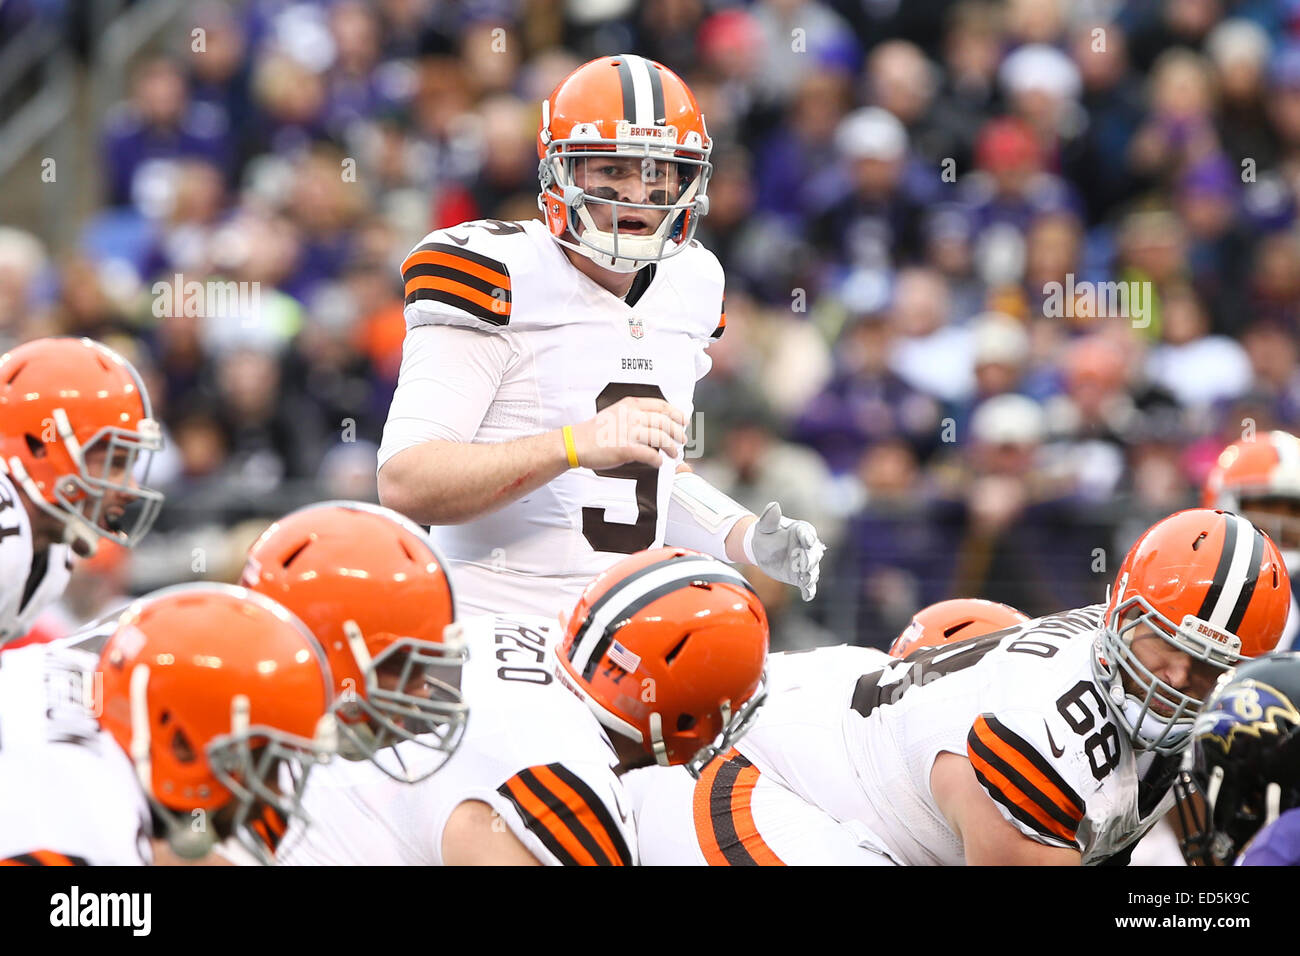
x=874, y=219
x=1011, y=184
x=1239, y=51
x=1018, y=533
x=1000, y=354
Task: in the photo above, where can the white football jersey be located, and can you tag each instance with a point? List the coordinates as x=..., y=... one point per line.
x=563, y=349
x=532, y=751
x=68, y=794
x=17, y=614
x=1021, y=704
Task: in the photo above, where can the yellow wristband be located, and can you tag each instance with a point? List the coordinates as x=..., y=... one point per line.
x=569, y=446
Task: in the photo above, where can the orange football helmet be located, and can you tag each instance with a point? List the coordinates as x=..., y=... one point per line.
x=66, y=400
x=1260, y=480
x=668, y=648
x=623, y=136
x=210, y=690
x=1209, y=583
x=954, y=620
x=373, y=589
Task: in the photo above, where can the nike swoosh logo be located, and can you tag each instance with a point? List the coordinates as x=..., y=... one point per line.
x=618, y=803
x=459, y=242
x=1056, y=751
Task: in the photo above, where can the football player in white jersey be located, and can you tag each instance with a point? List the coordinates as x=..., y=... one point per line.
x=1053, y=742
x=1259, y=478
x=757, y=820
x=76, y=438
x=549, y=367
x=957, y=619
x=372, y=588
x=178, y=729
x=661, y=661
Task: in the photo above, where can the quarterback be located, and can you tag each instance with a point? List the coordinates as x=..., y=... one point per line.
x=170, y=732
x=549, y=366
x=661, y=662
x=76, y=438
x=1055, y=741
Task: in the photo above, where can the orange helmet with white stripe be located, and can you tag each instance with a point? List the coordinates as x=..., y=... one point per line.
x=954, y=620
x=668, y=648
x=624, y=168
x=1260, y=479
x=1210, y=584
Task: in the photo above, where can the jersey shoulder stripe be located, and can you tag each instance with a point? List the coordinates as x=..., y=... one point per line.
x=722, y=321
x=467, y=280
x=724, y=817
x=1017, y=776
x=567, y=816
x=44, y=858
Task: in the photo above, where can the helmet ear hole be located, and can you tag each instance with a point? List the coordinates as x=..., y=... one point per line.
x=685, y=722
x=677, y=649
x=949, y=632
x=292, y=555
x=35, y=446
x=181, y=748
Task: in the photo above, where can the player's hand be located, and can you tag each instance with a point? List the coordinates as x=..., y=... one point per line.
x=787, y=550
x=632, y=429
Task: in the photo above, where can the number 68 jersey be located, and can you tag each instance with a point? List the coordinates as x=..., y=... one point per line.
x=505, y=340
x=532, y=751
x=1020, y=704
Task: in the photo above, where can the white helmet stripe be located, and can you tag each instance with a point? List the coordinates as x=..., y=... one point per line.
x=1241, y=539
x=642, y=94
x=626, y=593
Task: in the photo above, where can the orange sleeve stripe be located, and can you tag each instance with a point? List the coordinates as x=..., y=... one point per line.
x=1015, y=759
x=574, y=852
x=742, y=797
x=43, y=858
x=722, y=807
x=459, y=263
x=500, y=306
x=581, y=811
x=702, y=811
x=1013, y=793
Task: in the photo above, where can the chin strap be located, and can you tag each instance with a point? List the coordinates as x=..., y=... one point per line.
x=657, y=739
x=77, y=532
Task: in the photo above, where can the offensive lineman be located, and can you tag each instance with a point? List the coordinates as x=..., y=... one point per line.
x=167, y=741
x=1055, y=742
x=549, y=367
x=662, y=661
x=76, y=436
x=766, y=823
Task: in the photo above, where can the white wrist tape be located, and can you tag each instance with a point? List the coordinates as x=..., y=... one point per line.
x=700, y=516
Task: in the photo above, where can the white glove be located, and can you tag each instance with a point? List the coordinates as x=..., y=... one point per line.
x=785, y=549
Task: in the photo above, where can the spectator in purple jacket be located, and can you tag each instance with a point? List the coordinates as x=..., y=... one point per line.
x=159, y=123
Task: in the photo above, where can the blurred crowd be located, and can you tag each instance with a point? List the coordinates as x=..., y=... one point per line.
x=920, y=206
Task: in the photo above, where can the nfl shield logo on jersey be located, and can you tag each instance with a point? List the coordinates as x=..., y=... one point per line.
x=635, y=327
